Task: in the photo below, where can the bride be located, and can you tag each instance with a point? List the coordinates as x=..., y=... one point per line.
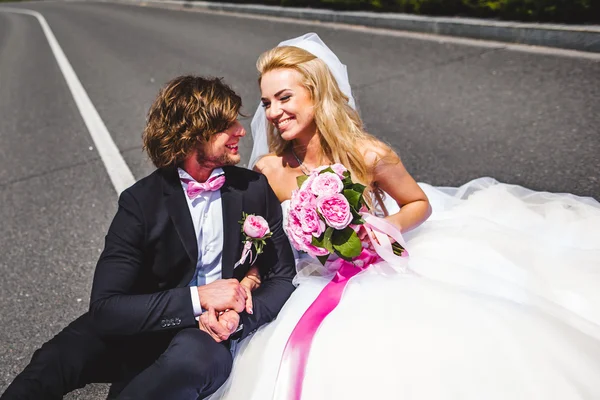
x=500, y=297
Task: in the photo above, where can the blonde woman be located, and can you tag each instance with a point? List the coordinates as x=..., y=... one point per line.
x=500, y=297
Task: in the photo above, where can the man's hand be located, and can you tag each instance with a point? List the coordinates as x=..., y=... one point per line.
x=209, y=323
x=219, y=327
x=230, y=320
x=223, y=294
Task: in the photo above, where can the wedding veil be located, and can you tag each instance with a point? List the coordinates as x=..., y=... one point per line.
x=312, y=43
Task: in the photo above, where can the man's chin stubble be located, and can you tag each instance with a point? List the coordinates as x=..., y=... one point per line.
x=222, y=161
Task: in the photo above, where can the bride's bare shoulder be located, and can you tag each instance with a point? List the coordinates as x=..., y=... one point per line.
x=376, y=153
x=275, y=168
x=269, y=165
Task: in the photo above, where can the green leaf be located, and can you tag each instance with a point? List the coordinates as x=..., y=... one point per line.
x=357, y=221
x=300, y=180
x=328, y=169
x=353, y=198
x=356, y=218
x=327, y=239
x=361, y=203
x=359, y=188
x=317, y=241
x=324, y=241
x=346, y=243
x=241, y=222
x=323, y=259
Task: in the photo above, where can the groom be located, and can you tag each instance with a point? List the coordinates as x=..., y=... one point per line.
x=166, y=299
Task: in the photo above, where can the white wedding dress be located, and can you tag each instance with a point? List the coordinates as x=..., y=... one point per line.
x=501, y=301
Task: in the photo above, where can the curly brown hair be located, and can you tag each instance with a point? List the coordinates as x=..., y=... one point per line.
x=187, y=110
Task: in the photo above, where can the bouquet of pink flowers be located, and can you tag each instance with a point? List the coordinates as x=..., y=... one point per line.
x=325, y=214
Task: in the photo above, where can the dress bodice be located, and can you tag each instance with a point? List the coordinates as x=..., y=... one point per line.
x=285, y=207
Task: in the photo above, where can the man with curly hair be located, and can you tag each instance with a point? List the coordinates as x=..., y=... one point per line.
x=167, y=300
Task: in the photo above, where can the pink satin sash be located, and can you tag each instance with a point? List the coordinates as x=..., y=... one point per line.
x=295, y=355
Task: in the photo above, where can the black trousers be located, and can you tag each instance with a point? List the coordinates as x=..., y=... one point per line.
x=185, y=364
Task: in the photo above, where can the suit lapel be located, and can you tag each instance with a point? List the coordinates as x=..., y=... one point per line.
x=231, y=201
x=180, y=215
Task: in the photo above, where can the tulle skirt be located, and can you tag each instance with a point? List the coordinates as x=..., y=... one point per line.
x=501, y=300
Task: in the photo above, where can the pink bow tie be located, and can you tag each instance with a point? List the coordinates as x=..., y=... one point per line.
x=195, y=189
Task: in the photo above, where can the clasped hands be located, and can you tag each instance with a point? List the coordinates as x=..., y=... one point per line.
x=223, y=300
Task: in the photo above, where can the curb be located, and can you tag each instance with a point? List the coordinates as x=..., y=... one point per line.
x=573, y=37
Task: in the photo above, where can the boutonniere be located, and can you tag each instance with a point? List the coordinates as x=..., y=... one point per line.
x=256, y=231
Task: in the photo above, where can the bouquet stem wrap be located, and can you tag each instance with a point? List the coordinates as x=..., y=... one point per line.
x=295, y=355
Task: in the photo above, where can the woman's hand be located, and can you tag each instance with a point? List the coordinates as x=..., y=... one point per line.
x=367, y=237
x=362, y=233
x=250, y=283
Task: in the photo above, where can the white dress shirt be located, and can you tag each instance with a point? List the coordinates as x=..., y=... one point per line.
x=207, y=215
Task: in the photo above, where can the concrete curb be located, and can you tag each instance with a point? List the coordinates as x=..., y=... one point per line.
x=574, y=37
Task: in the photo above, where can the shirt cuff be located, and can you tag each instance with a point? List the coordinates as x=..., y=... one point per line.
x=196, y=301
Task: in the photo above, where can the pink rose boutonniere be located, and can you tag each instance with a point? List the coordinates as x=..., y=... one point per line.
x=256, y=231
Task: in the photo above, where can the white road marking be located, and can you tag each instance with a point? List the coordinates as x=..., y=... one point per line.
x=117, y=168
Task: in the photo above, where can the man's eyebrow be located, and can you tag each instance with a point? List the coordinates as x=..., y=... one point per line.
x=276, y=94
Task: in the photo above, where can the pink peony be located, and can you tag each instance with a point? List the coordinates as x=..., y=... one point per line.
x=326, y=184
x=339, y=169
x=311, y=222
x=316, y=251
x=255, y=226
x=300, y=239
x=303, y=199
x=336, y=210
x=308, y=181
x=294, y=230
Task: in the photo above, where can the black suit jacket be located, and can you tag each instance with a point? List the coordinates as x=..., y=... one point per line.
x=151, y=251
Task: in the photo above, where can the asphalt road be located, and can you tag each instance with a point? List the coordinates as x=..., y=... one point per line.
x=453, y=112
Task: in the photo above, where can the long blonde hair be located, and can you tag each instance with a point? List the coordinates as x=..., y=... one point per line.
x=339, y=125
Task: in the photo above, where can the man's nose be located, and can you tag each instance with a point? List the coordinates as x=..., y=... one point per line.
x=241, y=132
